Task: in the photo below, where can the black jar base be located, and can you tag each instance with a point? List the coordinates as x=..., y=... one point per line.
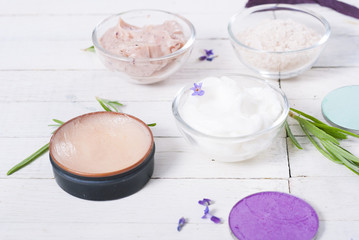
x=105, y=188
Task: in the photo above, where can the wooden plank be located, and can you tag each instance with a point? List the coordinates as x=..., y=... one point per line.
x=160, y=201
x=328, y=230
x=68, y=55
x=174, y=158
x=34, y=117
x=334, y=198
x=88, y=7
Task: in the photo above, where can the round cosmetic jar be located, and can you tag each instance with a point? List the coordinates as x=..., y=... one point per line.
x=102, y=155
x=144, y=70
x=277, y=64
x=230, y=148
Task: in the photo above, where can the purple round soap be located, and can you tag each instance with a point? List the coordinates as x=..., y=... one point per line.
x=273, y=216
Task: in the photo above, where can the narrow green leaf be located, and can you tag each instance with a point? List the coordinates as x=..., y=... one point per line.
x=151, y=124
x=307, y=116
x=89, y=49
x=352, y=166
x=321, y=125
x=316, y=131
x=116, y=103
x=103, y=105
x=335, y=159
x=343, y=152
x=29, y=159
x=112, y=106
x=58, y=121
x=316, y=145
x=333, y=133
x=291, y=136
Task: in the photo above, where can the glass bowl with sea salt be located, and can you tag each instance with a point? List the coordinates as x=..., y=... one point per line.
x=230, y=118
x=278, y=41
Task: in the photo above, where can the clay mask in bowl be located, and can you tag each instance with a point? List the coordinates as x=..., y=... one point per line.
x=144, y=46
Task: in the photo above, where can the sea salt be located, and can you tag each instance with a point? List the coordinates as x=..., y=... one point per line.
x=278, y=36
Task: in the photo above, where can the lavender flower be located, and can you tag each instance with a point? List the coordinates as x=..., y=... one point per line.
x=208, y=55
x=215, y=219
x=181, y=223
x=197, y=89
x=205, y=202
x=206, y=213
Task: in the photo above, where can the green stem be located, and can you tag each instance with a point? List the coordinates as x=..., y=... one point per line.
x=29, y=159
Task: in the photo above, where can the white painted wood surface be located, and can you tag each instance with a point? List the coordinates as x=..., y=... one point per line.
x=44, y=75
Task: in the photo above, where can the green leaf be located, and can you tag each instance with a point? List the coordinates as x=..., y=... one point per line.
x=325, y=126
x=343, y=152
x=108, y=104
x=58, y=121
x=89, y=49
x=29, y=159
x=316, y=131
x=352, y=166
x=317, y=146
x=103, y=105
x=291, y=136
x=306, y=115
x=151, y=124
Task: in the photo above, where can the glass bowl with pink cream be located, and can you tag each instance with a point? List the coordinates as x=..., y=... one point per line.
x=278, y=41
x=145, y=46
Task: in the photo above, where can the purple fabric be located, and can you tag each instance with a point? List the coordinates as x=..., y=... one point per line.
x=338, y=6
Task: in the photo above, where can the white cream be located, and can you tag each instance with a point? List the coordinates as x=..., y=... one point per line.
x=228, y=109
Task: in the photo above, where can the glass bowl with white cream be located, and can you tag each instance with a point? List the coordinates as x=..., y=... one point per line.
x=233, y=118
x=145, y=46
x=278, y=41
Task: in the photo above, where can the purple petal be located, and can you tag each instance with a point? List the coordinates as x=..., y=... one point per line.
x=208, y=52
x=206, y=211
x=181, y=223
x=202, y=58
x=204, y=201
x=215, y=219
x=209, y=59
x=200, y=93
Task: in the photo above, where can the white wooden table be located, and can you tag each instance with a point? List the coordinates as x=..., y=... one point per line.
x=45, y=75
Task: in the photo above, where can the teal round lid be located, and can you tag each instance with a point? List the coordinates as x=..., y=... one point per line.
x=341, y=107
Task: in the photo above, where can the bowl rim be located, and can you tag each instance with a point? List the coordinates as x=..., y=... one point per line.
x=324, y=38
x=100, y=174
x=184, y=48
x=280, y=120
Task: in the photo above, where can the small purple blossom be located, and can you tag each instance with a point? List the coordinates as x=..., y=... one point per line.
x=208, y=52
x=209, y=56
x=205, y=202
x=206, y=212
x=181, y=223
x=215, y=219
x=197, y=90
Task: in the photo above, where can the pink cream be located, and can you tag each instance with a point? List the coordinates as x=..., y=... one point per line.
x=143, y=45
x=150, y=41
x=101, y=144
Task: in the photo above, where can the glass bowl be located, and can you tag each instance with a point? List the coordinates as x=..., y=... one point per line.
x=232, y=148
x=277, y=64
x=144, y=70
